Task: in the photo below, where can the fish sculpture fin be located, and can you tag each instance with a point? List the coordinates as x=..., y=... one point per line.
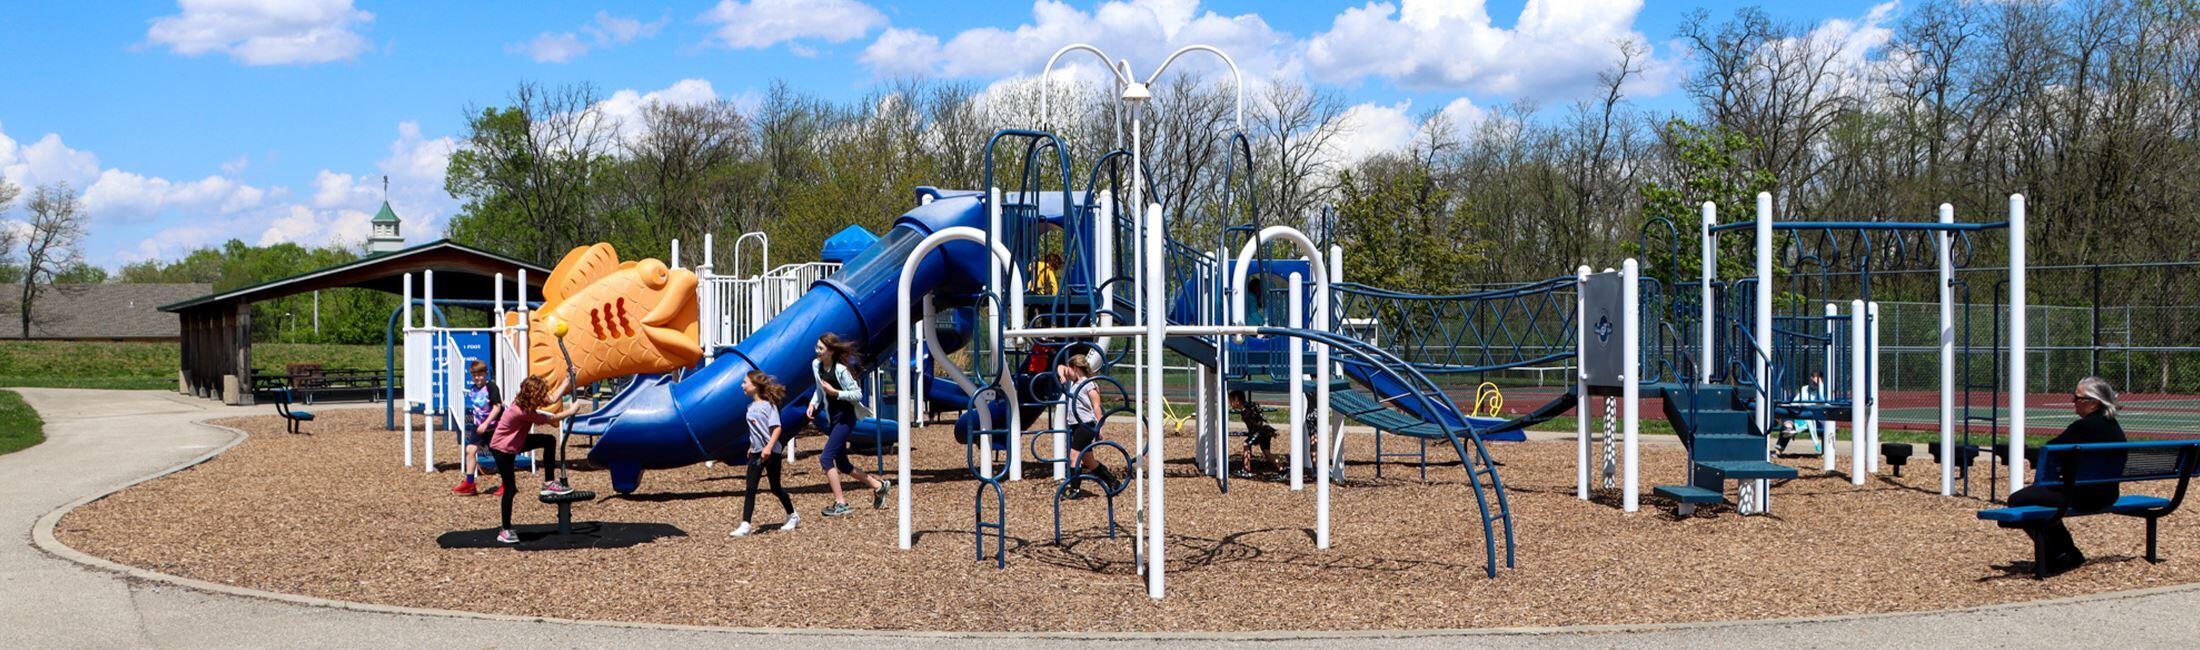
x=583, y=266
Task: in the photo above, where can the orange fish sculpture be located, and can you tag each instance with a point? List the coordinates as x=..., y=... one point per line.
x=622, y=318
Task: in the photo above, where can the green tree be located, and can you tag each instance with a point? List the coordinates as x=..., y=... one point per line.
x=81, y=273
x=1403, y=230
x=1708, y=165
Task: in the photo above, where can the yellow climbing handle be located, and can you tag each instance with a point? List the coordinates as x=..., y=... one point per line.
x=1488, y=401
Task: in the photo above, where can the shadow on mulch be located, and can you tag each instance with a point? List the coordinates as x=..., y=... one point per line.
x=590, y=534
x=2022, y=569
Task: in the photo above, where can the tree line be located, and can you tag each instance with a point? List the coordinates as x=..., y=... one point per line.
x=2090, y=108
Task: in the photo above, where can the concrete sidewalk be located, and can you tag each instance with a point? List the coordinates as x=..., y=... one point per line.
x=100, y=440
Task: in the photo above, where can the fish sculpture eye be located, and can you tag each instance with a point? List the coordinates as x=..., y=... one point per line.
x=654, y=274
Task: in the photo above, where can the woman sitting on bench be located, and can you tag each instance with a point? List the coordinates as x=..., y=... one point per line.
x=2095, y=403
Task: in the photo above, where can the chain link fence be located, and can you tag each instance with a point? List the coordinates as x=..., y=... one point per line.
x=2136, y=325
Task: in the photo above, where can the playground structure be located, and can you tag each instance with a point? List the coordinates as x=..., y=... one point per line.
x=1119, y=288
x=1727, y=381
x=1035, y=266
x=436, y=357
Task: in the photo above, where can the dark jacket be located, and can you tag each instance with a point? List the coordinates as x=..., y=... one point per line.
x=2091, y=428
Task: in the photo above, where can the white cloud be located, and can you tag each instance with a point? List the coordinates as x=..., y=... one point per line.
x=1369, y=129
x=610, y=30
x=1556, y=47
x=605, y=31
x=763, y=23
x=331, y=189
x=1122, y=28
x=125, y=196
x=48, y=160
x=551, y=48
x=138, y=216
x=624, y=108
x=902, y=52
x=265, y=32
x=1372, y=129
x=418, y=158
x=1463, y=113
x=300, y=225
x=1853, y=43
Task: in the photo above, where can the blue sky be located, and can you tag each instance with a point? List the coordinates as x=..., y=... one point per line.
x=190, y=123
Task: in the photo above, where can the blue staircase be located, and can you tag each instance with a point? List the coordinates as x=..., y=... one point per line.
x=1714, y=423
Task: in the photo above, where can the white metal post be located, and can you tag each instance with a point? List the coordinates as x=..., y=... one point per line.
x=427, y=437
x=524, y=311
x=1154, y=307
x=405, y=315
x=903, y=404
x=2017, y=327
x=1295, y=367
x=1708, y=325
x=1763, y=356
x=1582, y=410
x=675, y=262
x=1325, y=452
x=1828, y=451
x=1631, y=384
x=707, y=302
x=1858, y=394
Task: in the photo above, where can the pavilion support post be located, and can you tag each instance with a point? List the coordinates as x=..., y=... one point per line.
x=241, y=334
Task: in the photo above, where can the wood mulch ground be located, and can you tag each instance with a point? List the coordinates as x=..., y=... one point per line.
x=334, y=515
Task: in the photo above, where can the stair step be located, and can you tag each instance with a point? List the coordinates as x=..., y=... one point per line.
x=1723, y=421
x=1748, y=469
x=1688, y=494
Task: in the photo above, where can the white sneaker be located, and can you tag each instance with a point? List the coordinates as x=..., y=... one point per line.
x=743, y=530
x=792, y=519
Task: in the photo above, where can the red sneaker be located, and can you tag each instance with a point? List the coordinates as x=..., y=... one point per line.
x=465, y=488
x=498, y=492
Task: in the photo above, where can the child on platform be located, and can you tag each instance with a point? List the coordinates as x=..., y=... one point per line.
x=515, y=435
x=764, y=451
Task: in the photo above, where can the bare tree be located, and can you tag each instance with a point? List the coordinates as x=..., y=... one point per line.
x=1293, y=128
x=677, y=164
x=8, y=236
x=50, y=241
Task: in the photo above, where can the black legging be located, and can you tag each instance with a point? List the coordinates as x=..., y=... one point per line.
x=543, y=441
x=760, y=466
x=2052, y=536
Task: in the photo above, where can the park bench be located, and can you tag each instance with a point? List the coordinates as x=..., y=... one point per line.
x=2110, y=463
x=291, y=417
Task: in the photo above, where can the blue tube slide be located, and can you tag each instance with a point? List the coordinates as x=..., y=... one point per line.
x=700, y=417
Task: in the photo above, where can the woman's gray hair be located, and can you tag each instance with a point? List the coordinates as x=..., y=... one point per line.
x=2101, y=392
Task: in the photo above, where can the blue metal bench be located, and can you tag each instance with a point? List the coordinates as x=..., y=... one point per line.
x=2112, y=463
x=291, y=417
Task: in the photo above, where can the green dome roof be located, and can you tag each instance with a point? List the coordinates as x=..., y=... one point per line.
x=386, y=215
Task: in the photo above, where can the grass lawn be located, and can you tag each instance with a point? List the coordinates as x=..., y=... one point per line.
x=75, y=364
x=1650, y=426
x=19, y=425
